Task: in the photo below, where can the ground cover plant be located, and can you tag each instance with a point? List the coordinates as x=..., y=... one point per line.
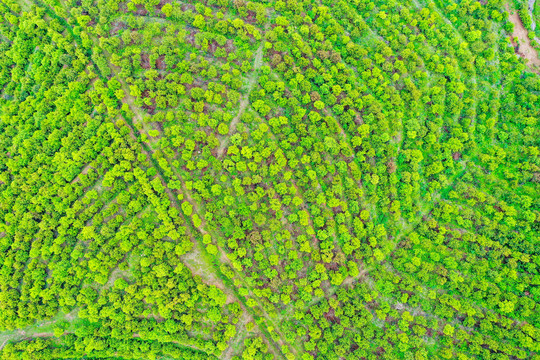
x=271, y=179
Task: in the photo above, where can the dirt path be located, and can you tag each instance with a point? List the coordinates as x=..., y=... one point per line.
x=115, y=275
x=244, y=100
x=282, y=341
x=128, y=98
x=524, y=47
x=531, y=11
x=241, y=333
x=38, y=330
x=181, y=343
x=195, y=259
x=19, y=336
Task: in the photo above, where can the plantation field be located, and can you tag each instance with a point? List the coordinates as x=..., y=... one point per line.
x=269, y=179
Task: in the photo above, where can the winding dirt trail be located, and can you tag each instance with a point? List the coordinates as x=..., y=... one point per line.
x=244, y=100
x=41, y=329
x=524, y=48
x=531, y=10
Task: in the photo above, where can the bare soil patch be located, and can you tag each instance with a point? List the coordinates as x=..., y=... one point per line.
x=524, y=48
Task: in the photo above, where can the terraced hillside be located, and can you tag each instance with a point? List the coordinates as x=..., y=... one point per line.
x=299, y=179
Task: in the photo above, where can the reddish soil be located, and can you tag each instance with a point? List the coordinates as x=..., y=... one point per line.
x=524, y=48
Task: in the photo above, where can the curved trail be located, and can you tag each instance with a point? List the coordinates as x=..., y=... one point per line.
x=244, y=101
x=524, y=48
x=531, y=10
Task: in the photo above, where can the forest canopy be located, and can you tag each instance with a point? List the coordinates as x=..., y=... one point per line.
x=269, y=179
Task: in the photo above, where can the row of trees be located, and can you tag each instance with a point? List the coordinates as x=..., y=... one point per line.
x=368, y=186
x=87, y=222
